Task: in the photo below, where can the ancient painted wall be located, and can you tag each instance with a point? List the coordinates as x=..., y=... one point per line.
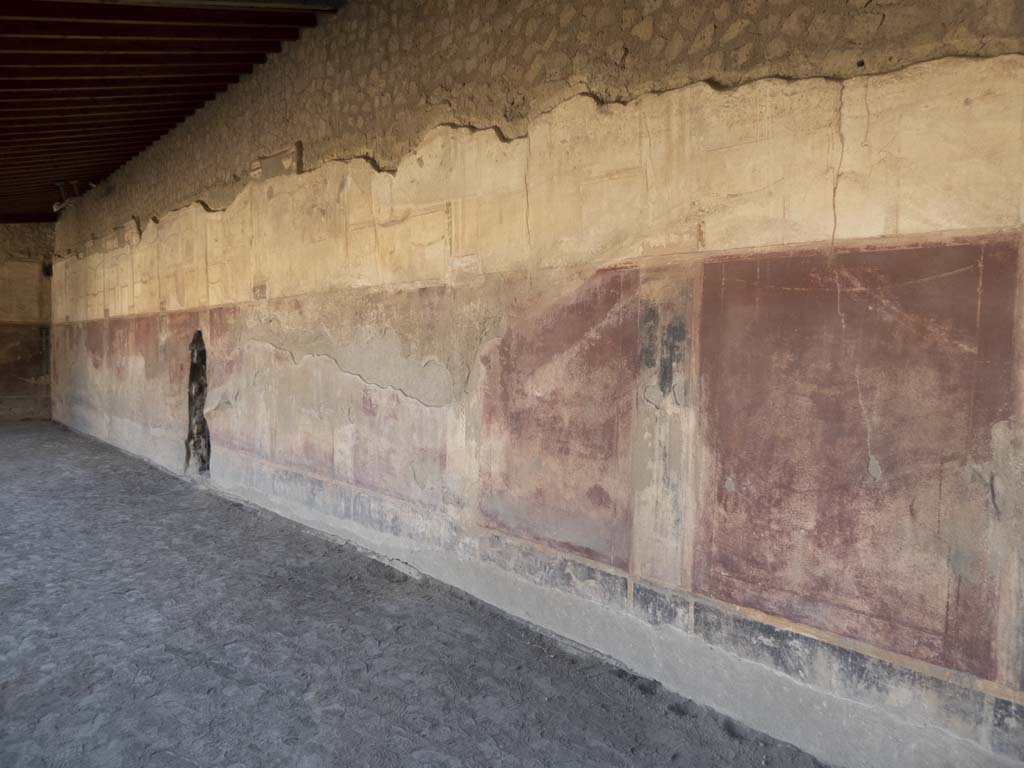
x=26, y=252
x=740, y=365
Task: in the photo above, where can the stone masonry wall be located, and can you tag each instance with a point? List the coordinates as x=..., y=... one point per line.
x=372, y=80
x=716, y=371
x=26, y=250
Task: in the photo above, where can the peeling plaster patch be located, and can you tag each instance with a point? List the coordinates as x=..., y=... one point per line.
x=298, y=358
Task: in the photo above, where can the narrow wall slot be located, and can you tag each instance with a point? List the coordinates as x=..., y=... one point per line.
x=197, y=444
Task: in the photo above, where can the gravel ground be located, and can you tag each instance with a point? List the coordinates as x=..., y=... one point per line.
x=147, y=622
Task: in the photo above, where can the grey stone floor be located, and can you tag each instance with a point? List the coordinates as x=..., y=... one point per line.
x=146, y=622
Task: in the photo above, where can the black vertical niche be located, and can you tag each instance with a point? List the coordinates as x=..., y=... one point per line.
x=197, y=444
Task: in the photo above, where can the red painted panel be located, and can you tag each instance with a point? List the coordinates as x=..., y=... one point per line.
x=120, y=346
x=96, y=342
x=222, y=350
x=239, y=417
x=845, y=401
x=146, y=343
x=558, y=407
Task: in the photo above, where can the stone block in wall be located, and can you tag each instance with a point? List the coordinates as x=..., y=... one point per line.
x=483, y=181
x=96, y=287
x=694, y=168
x=361, y=266
x=760, y=162
x=230, y=252
x=925, y=150
x=146, y=272
x=73, y=289
x=298, y=231
x=586, y=184
x=490, y=234
x=59, y=293
x=181, y=259
x=119, y=283
x=414, y=245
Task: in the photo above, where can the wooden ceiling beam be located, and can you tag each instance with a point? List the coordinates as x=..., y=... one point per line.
x=147, y=93
x=107, y=12
x=83, y=177
x=31, y=144
x=87, y=148
x=38, y=201
x=30, y=209
x=37, y=187
x=315, y=6
x=15, y=166
x=115, y=84
x=59, y=117
x=45, y=169
x=27, y=218
x=54, y=177
x=36, y=205
x=9, y=72
x=101, y=61
x=13, y=153
x=43, y=129
x=47, y=132
x=43, y=176
x=113, y=46
x=21, y=155
x=46, y=197
x=86, y=85
x=46, y=193
x=15, y=158
x=26, y=107
x=113, y=32
x=55, y=123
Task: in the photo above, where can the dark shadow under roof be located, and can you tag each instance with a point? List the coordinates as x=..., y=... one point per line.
x=87, y=84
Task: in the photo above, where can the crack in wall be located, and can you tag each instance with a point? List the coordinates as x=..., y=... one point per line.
x=840, y=107
x=298, y=359
x=874, y=467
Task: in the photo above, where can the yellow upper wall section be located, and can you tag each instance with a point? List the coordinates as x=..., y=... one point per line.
x=935, y=147
x=374, y=78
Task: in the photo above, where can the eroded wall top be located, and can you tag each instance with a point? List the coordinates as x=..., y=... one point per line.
x=372, y=79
